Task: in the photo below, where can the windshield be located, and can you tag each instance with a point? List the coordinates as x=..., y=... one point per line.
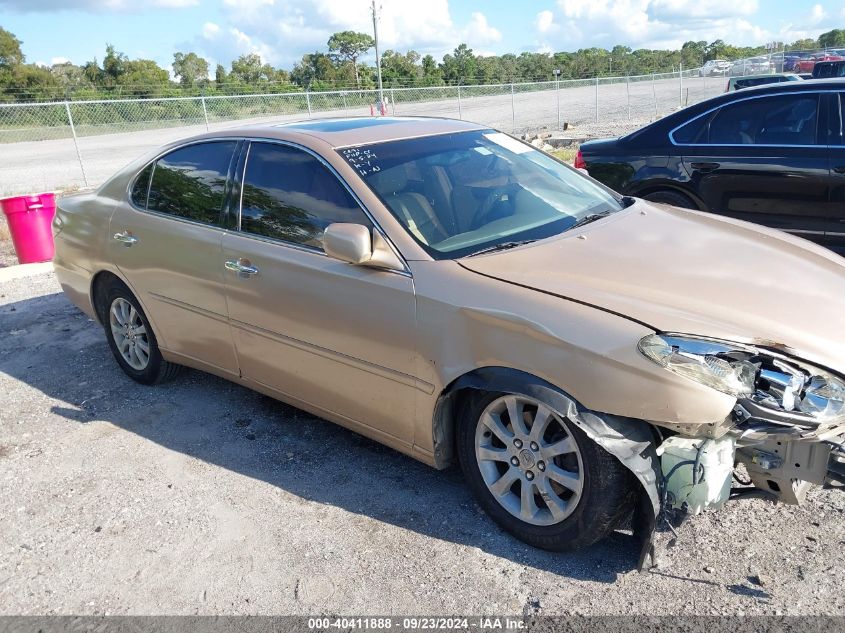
x=458, y=194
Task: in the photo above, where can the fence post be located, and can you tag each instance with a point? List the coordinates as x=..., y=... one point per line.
x=460, y=112
x=654, y=94
x=557, y=90
x=513, y=112
x=681, y=84
x=392, y=101
x=204, y=111
x=597, y=98
x=76, y=143
x=628, y=94
x=345, y=109
x=308, y=102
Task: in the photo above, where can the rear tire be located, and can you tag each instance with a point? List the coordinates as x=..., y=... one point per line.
x=673, y=198
x=131, y=338
x=598, y=494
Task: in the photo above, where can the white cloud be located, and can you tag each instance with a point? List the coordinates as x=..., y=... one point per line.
x=479, y=31
x=36, y=6
x=283, y=30
x=817, y=14
x=809, y=25
x=650, y=23
x=545, y=22
x=59, y=60
x=706, y=9
x=172, y=4
x=247, y=5
x=210, y=30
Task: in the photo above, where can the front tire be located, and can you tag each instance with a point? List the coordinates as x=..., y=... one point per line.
x=539, y=476
x=132, y=340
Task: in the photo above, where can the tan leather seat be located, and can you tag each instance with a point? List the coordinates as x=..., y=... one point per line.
x=410, y=206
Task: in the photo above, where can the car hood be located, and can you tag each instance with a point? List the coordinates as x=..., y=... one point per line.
x=693, y=273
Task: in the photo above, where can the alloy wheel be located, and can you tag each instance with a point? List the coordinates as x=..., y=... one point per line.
x=529, y=460
x=129, y=333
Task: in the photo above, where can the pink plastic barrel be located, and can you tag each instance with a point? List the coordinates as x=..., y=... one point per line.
x=30, y=223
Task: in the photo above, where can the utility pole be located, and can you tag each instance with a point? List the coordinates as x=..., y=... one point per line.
x=378, y=56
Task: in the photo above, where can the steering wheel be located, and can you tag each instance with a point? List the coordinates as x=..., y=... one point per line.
x=487, y=207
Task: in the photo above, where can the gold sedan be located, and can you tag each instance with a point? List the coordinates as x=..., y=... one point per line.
x=457, y=294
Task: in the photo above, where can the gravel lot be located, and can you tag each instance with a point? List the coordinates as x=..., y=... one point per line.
x=48, y=165
x=200, y=497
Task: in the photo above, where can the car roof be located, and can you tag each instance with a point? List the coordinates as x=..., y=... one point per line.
x=350, y=131
x=812, y=85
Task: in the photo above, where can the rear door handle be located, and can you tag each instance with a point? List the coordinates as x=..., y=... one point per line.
x=840, y=169
x=705, y=166
x=242, y=267
x=126, y=238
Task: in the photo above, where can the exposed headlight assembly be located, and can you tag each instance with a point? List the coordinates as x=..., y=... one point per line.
x=773, y=381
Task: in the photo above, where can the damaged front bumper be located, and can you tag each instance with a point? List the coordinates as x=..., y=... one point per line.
x=787, y=426
x=785, y=453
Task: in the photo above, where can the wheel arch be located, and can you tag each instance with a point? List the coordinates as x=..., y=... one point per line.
x=643, y=191
x=445, y=421
x=633, y=442
x=99, y=283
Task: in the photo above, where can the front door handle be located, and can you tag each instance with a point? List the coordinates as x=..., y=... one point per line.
x=705, y=167
x=126, y=238
x=840, y=169
x=242, y=267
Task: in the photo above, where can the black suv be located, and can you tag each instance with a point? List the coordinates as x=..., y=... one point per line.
x=774, y=155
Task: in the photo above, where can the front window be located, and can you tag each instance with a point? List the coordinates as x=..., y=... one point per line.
x=459, y=194
x=289, y=195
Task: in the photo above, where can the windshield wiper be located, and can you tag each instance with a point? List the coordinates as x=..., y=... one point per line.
x=590, y=217
x=501, y=247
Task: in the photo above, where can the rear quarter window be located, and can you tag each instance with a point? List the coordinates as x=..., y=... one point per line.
x=692, y=132
x=140, y=187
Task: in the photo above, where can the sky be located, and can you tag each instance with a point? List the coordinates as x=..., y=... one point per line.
x=280, y=31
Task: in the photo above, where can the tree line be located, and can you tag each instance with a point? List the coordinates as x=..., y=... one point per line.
x=338, y=67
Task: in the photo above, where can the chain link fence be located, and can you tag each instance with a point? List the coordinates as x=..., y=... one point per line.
x=75, y=144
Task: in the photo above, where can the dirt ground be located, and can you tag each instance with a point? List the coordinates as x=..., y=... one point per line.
x=200, y=497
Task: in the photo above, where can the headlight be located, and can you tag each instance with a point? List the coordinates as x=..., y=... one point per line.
x=744, y=371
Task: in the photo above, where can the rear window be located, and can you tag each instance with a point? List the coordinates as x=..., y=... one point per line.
x=825, y=70
x=758, y=81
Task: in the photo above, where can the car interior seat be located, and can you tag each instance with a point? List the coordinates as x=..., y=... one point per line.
x=412, y=207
